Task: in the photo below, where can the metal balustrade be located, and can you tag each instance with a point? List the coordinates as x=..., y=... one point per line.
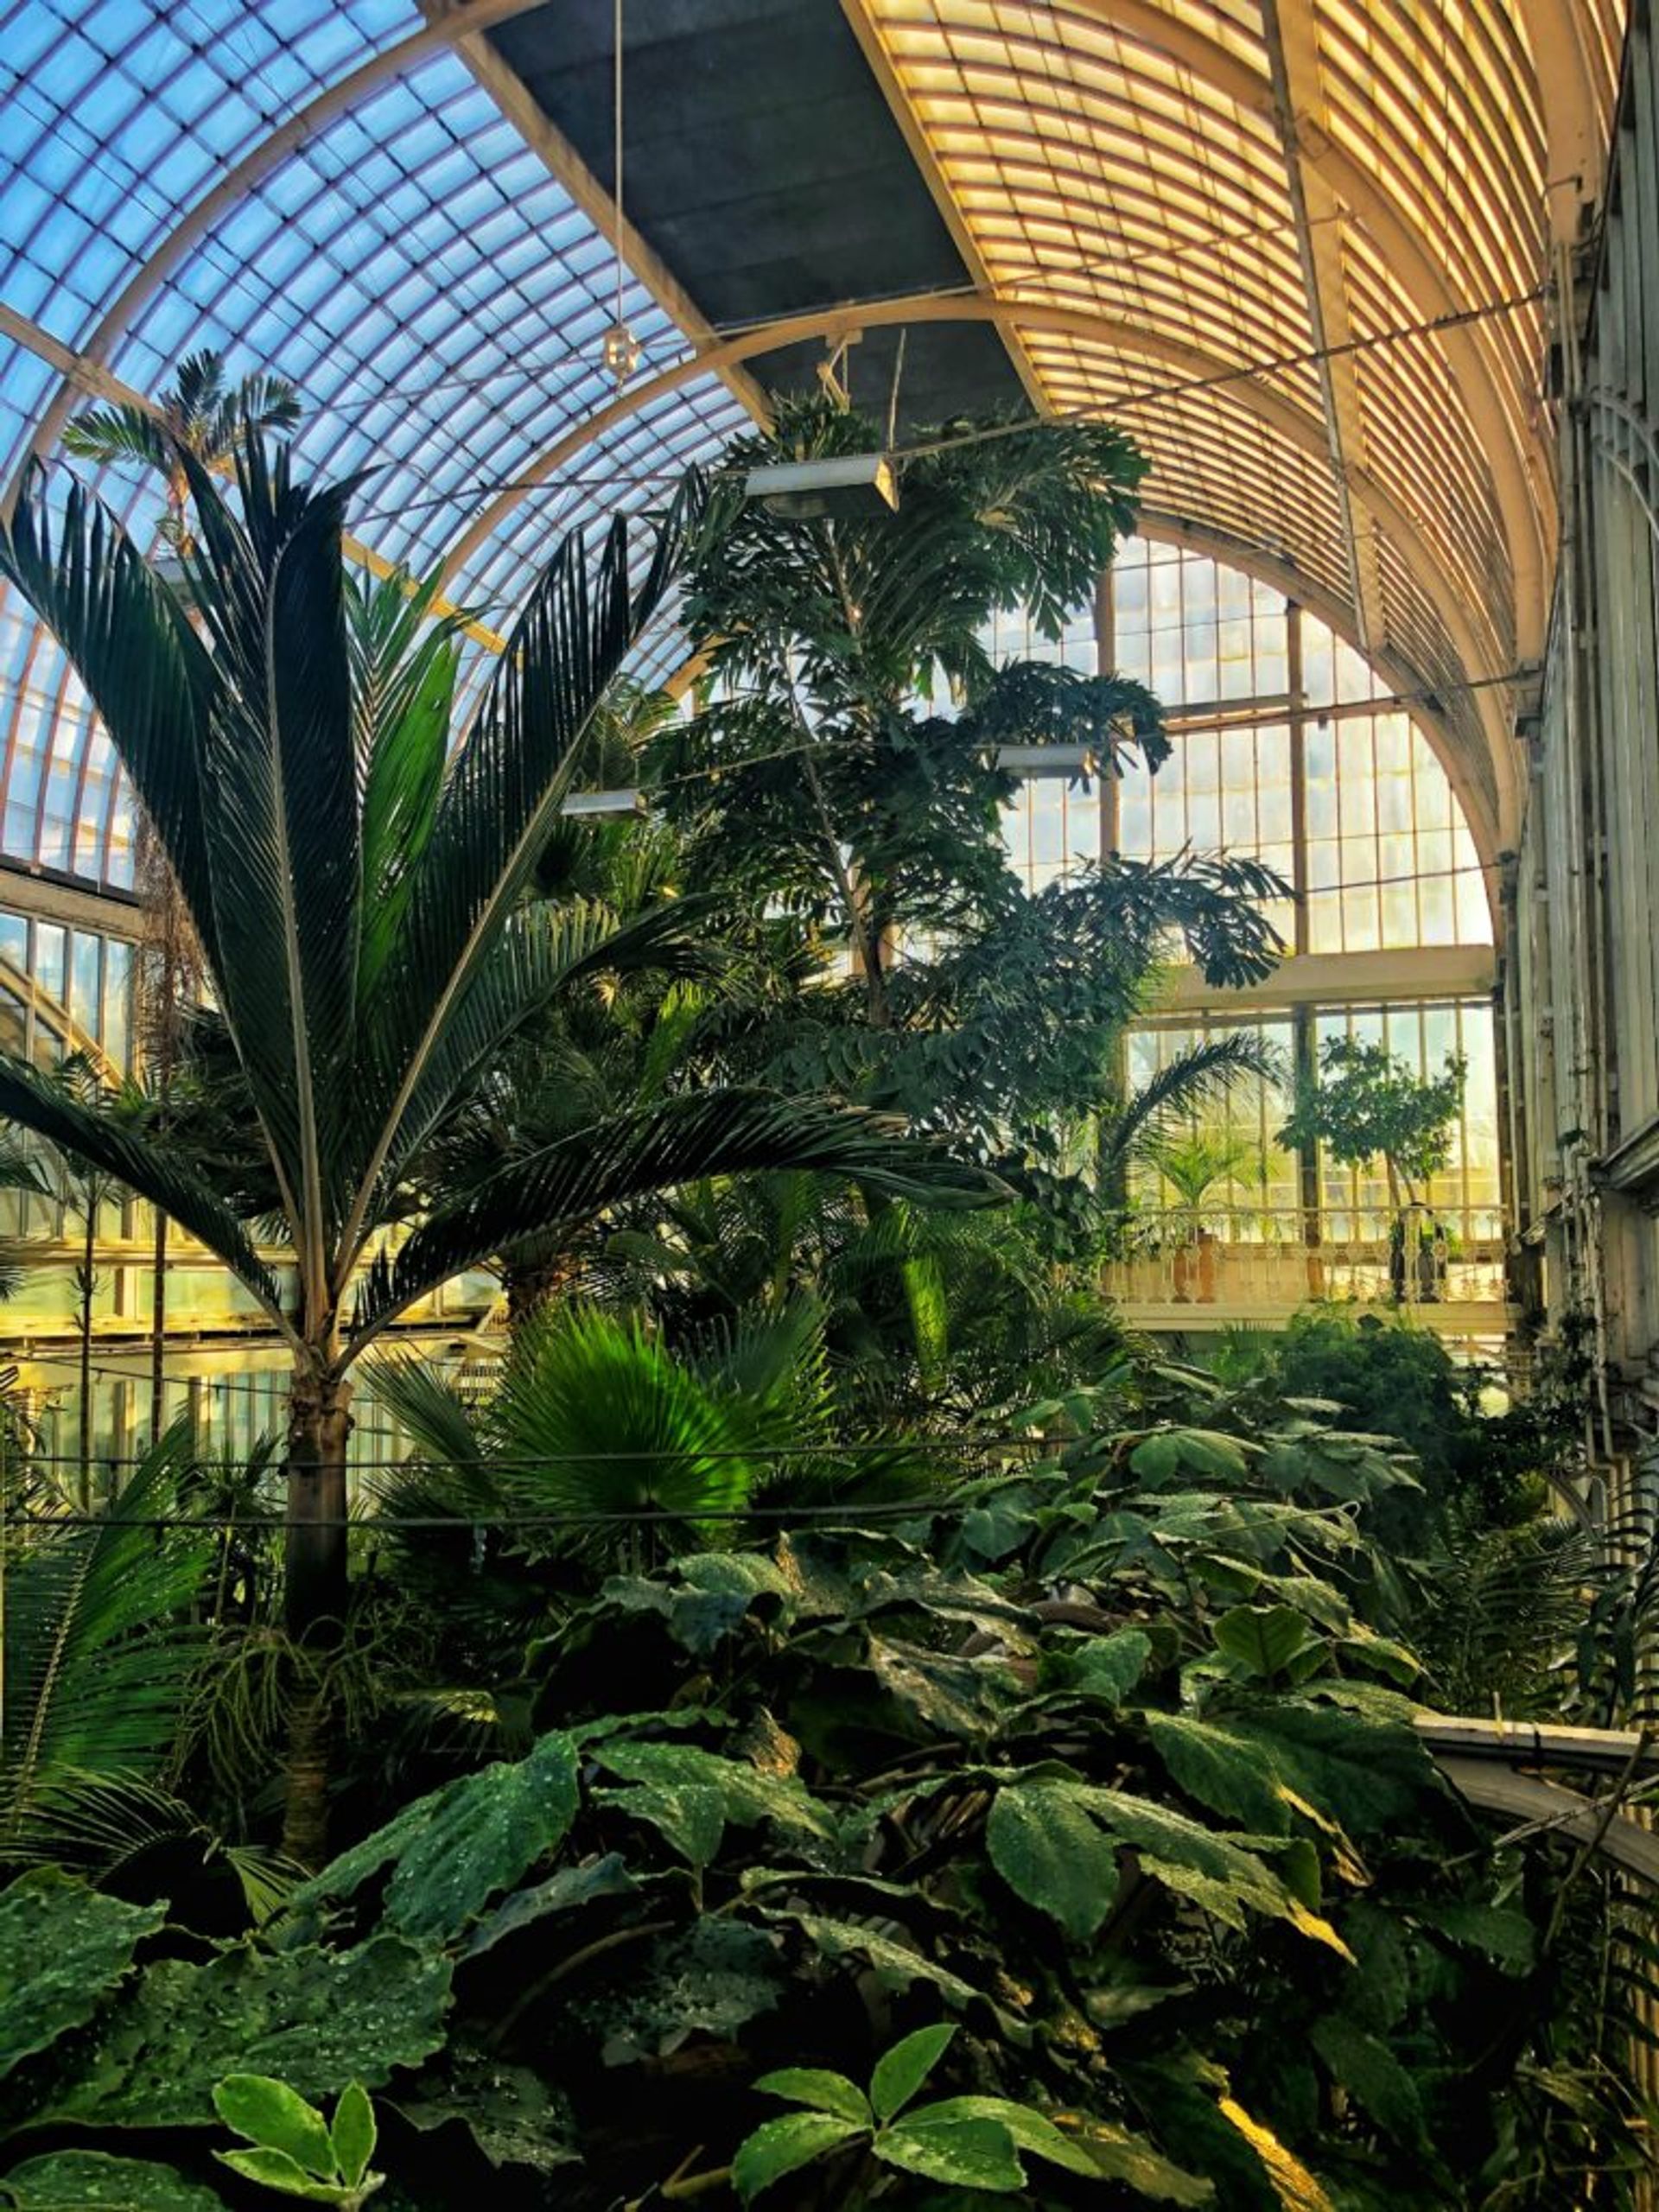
x=1226, y=1265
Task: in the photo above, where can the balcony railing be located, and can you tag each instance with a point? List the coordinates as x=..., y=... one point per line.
x=1243, y=1262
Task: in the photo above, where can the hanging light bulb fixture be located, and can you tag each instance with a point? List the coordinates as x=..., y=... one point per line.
x=619, y=349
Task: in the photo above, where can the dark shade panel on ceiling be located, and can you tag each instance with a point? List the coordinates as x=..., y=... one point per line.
x=762, y=164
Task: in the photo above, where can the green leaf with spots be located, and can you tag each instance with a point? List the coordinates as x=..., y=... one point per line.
x=452, y=1851
x=275, y=2169
x=1223, y=1769
x=268, y=2113
x=966, y=2153
x=1217, y=1872
x=353, y=2131
x=690, y=1817
x=894, y=1963
x=1110, y=1667
x=1264, y=1641
x=63, y=1949
x=824, y=2091
x=784, y=2146
x=1029, y=2129
x=88, y=2181
x=900, y=2072
x=749, y=1794
x=562, y=1892
x=1365, y=1774
x=315, y=2019
x=1049, y=1850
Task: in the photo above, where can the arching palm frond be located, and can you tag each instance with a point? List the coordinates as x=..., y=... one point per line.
x=1194, y=1080
x=129, y=1834
x=99, y=1644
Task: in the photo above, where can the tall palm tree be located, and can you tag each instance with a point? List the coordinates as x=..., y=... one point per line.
x=202, y=414
x=357, y=893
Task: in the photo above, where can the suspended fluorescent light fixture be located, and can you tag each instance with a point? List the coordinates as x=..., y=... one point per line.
x=603, y=806
x=841, y=486
x=1035, y=761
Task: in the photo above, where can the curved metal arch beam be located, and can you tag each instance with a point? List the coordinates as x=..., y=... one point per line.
x=1520, y=468
x=445, y=25
x=1298, y=430
x=1237, y=553
x=1574, y=127
x=28, y=992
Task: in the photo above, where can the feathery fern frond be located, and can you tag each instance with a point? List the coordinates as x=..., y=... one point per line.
x=99, y=1647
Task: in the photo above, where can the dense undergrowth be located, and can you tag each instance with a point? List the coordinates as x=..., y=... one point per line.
x=1104, y=1758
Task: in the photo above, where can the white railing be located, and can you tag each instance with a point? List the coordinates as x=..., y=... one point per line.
x=1275, y=1258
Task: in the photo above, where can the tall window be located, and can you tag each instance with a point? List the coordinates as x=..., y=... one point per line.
x=1265, y=704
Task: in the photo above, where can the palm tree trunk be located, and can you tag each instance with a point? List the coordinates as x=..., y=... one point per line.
x=88, y=1286
x=314, y=1593
x=532, y=1285
x=158, y=1329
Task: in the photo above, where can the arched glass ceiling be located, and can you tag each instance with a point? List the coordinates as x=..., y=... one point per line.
x=412, y=267
x=1254, y=211
x=1239, y=187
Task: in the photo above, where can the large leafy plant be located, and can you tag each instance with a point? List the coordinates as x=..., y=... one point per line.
x=1107, y=1764
x=828, y=783
x=357, y=893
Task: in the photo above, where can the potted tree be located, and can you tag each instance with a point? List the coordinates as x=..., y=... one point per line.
x=1367, y=1104
x=1198, y=1161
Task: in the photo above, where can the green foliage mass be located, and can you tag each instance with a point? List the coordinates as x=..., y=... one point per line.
x=1366, y=1104
x=1085, y=1799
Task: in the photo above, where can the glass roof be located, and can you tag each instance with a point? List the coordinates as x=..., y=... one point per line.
x=412, y=268
x=1303, y=244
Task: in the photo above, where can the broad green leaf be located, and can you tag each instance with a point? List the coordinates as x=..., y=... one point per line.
x=1123, y=2157
x=63, y=1948
x=1052, y=1855
x=354, y=2131
x=968, y=2153
x=1372, y=2075
x=690, y=1817
x=276, y=2169
x=901, y=2071
x=509, y=2111
x=892, y=1960
x=1295, y=2188
x=451, y=1852
x=269, y=2114
x=1111, y=1666
x=712, y=1978
x=561, y=1892
x=1218, y=1765
x=88, y=2181
x=1263, y=1640
x=1363, y=1773
x=1205, y=1451
x=1217, y=1872
x=965, y=1697
x=315, y=2019
x=1508, y=1939
x=822, y=2090
x=1031, y=2130
x=749, y=1795
x=783, y=2146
